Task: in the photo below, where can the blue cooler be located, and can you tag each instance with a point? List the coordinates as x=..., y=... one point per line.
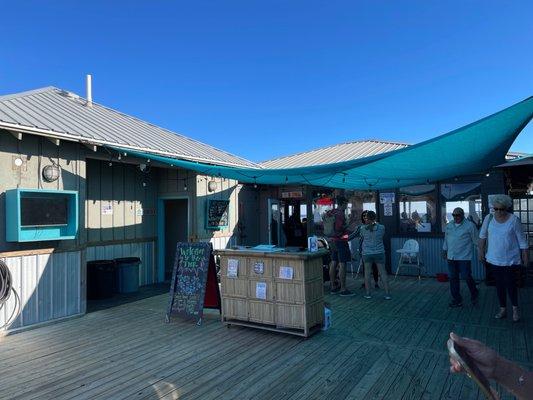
x=127, y=270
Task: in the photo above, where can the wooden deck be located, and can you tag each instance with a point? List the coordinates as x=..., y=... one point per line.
x=376, y=349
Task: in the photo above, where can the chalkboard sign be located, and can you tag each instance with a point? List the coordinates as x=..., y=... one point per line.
x=217, y=215
x=192, y=263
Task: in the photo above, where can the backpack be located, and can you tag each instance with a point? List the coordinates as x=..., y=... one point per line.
x=333, y=223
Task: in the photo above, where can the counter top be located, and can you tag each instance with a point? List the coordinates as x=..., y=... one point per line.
x=302, y=255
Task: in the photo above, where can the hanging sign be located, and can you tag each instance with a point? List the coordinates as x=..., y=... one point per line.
x=296, y=194
x=194, y=283
x=387, y=198
x=217, y=214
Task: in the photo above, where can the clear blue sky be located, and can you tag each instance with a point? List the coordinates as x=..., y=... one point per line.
x=270, y=78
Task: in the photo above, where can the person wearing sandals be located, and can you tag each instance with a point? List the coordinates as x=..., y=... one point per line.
x=460, y=237
x=506, y=249
x=373, y=251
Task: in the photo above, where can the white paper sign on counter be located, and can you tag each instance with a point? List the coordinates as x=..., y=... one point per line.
x=261, y=290
x=233, y=268
x=286, y=272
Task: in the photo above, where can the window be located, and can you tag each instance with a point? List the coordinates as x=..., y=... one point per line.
x=359, y=201
x=418, y=208
x=461, y=195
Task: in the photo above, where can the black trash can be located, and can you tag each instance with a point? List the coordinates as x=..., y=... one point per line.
x=100, y=279
x=127, y=274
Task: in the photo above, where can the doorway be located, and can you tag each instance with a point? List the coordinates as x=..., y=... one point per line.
x=173, y=228
x=274, y=223
x=523, y=209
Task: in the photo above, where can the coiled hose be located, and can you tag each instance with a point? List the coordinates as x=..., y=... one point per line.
x=6, y=288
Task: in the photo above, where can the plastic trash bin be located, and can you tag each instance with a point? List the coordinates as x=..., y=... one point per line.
x=127, y=274
x=100, y=279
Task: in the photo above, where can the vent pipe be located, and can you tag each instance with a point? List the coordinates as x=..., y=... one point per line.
x=89, y=91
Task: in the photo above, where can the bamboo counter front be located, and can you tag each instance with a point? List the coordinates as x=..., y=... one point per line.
x=277, y=291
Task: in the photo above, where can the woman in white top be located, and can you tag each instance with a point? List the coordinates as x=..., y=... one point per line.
x=506, y=250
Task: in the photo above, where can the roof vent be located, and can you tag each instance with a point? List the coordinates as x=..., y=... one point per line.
x=68, y=94
x=89, y=91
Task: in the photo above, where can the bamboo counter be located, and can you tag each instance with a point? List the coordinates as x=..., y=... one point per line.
x=277, y=291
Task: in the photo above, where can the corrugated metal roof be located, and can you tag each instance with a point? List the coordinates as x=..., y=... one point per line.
x=332, y=154
x=55, y=111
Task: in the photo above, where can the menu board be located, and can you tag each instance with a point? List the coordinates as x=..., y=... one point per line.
x=189, y=278
x=217, y=214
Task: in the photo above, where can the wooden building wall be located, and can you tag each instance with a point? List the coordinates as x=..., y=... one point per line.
x=227, y=189
x=37, y=152
x=48, y=276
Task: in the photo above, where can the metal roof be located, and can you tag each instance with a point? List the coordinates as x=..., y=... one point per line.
x=57, y=113
x=333, y=154
x=517, y=162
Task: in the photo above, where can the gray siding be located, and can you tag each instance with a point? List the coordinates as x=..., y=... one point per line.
x=133, y=205
x=430, y=255
x=49, y=287
x=37, y=152
x=227, y=189
x=144, y=250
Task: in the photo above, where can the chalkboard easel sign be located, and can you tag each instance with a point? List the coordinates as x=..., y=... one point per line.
x=217, y=214
x=194, y=282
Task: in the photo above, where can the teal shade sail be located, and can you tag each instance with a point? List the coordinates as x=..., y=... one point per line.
x=471, y=149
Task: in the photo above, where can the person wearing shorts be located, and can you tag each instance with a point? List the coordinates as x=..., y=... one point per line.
x=340, y=252
x=373, y=251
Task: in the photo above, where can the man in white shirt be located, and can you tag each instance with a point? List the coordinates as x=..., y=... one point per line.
x=459, y=239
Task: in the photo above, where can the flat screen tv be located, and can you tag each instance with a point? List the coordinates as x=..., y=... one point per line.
x=44, y=211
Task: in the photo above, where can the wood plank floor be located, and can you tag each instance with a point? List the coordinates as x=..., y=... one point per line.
x=376, y=349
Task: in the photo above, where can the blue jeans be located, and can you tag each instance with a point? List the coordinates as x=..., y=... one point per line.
x=461, y=268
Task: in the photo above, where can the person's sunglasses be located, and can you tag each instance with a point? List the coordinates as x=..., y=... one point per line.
x=499, y=209
x=457, y=215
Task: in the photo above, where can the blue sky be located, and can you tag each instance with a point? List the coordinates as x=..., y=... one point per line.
x=271, y=78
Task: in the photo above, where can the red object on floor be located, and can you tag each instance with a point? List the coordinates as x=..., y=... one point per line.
x=212, y=293
x=442, y=277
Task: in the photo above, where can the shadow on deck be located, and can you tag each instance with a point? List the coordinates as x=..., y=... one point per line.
x=376, y=349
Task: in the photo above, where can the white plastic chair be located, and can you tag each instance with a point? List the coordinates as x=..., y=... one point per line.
x=409, y=257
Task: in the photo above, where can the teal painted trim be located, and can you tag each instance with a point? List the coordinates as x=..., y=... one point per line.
x=15, y=232
x=160, y=240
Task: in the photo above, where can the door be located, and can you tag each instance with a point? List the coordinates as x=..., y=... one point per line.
x=523, y=209
x=176, y=230
x=274, y=224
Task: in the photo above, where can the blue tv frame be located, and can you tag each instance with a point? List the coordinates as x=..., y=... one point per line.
x=15, y=232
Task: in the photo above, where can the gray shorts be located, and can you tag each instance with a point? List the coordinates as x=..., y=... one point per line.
x=374, y=258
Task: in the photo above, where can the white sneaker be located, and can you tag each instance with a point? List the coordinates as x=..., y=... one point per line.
x=516, y=314
x=501, y=314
